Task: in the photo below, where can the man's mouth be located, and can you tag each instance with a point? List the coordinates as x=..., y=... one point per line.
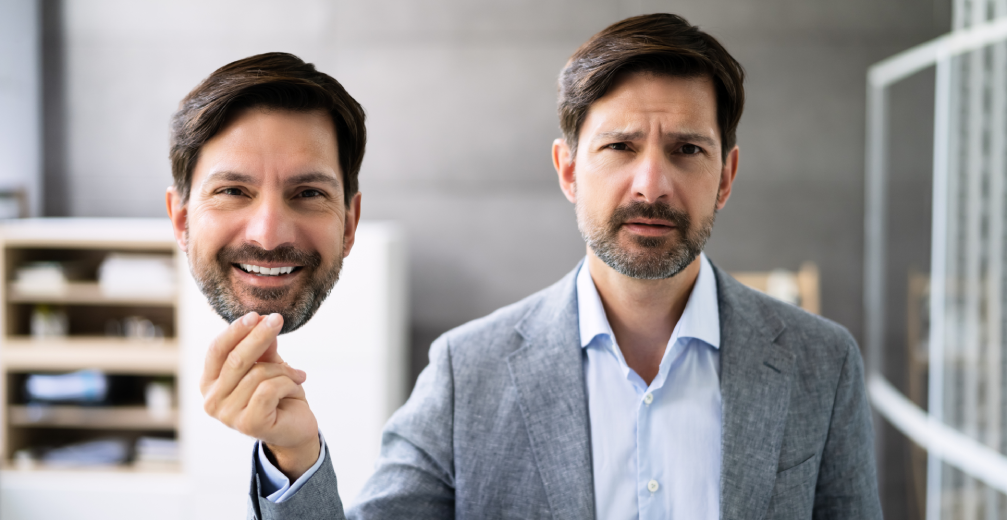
x=649, y=227
x=259, y=270
x=650, y=222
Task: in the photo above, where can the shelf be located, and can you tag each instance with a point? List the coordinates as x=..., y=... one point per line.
x=85, y=293
x=39, y=468
x=88, y=233
x=89, y=417
x=114, y=355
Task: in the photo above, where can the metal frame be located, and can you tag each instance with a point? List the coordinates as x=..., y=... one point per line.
x=958, y=450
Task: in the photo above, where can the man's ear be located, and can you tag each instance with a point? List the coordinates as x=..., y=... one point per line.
x=350, y=224
x=727, y=175
x=178, y=212
x=562, y=160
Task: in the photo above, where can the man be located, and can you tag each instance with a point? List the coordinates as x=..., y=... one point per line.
x=646, y=383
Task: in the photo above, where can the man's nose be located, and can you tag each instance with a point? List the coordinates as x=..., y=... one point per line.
x=651, y=177
x=271, y=223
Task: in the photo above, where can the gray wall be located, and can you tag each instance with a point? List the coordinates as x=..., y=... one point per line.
x=461, y=104
x=20, y=99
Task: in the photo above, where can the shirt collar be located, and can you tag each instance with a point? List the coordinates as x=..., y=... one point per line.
x=700, y=319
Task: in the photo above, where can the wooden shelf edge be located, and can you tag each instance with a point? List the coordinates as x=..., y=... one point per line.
x=92, y=233
x=115, y=356
x=79, y=342
x=86, y=293
x=87, y=417
x=39, y=468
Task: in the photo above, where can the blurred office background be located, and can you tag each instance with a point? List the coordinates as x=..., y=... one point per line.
x=460, y=98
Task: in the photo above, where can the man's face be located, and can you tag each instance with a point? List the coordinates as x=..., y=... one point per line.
x=266, y=227
x=647, y=177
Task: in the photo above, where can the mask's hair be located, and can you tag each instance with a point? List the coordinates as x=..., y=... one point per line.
x=275, y=80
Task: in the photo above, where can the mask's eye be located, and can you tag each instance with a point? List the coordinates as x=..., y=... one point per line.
x=690, y=149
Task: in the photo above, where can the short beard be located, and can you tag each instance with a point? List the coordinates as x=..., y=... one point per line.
x=213, y=279
x=662, y=257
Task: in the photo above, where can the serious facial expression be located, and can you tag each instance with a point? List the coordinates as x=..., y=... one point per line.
x=649, y=174
x=267, y=226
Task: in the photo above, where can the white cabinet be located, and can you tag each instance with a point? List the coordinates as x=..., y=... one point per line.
x=353, y=350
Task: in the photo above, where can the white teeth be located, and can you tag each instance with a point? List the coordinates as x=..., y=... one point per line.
x=267, y=271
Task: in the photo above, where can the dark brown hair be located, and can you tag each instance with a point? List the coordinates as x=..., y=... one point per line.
x=274, y=80
x=660, y=43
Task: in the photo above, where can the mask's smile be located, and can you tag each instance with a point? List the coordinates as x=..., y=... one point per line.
x=267, y=271
x=266, y=277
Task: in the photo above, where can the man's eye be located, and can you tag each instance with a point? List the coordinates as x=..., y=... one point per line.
x=617, y=146
x=310, y=193
x=231, y=191
x=690, y=149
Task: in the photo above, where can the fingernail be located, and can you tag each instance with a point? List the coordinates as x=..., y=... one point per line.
x=274, y=320
x=250, y=319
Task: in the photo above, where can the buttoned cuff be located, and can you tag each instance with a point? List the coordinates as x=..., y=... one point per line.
x=275, y=486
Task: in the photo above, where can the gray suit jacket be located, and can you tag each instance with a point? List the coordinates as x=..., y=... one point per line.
x=497, y=425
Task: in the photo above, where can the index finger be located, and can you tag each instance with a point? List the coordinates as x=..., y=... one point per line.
x=242, y=357
x=223, y=344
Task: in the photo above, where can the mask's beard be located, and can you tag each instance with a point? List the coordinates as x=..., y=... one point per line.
x=297, y=303
x=649, y=258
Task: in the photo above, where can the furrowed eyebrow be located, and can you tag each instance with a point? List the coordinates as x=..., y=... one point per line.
x=617, y=135
x=671, y=136
x=692, y=138
x=314, y=177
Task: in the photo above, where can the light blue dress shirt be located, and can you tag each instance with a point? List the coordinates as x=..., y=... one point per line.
x=655, y=449
x=276, y=487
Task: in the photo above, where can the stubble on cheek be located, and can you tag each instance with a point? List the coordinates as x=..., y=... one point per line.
x=644, y=257
x=231, y=298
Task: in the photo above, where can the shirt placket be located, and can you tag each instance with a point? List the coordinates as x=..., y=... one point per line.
x=651, y=489
x=647, y=482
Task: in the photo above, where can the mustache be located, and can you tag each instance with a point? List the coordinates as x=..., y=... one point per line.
x=286, y=254
x=657, y=210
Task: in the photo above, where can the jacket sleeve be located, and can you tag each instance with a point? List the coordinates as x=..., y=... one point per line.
x=847, y=484
x=317, y=498
x=414, y=475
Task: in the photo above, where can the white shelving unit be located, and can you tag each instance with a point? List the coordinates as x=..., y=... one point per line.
x=30, y=427
x=354, y=351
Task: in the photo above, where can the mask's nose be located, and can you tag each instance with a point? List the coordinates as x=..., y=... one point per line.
x=270, y=224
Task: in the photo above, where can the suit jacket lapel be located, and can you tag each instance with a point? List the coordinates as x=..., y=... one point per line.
x=548, y=373
x=755, y=376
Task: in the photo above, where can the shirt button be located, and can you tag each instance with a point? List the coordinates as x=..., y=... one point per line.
x=649, y=398
x=652, y=486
